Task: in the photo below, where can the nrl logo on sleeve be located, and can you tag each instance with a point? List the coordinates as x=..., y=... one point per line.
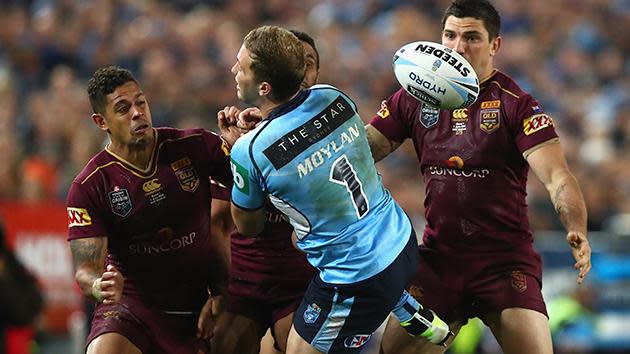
x=429, y=115
x=78, y=217
x=536, y=122
x=120, y=201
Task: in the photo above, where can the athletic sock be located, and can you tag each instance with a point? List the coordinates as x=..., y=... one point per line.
x=419, y=321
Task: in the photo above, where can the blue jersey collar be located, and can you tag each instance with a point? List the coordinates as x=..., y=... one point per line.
x=289, y=106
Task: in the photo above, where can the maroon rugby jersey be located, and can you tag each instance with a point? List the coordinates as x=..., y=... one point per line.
x=472, y=164
x=267, y=259
x=156, y=220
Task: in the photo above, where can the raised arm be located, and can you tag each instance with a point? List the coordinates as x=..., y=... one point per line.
x=550, y=166
x=379, y=144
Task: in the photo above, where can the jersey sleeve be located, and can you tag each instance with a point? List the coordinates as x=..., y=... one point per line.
x=85, y=218
x=219, y=191
x=247, y=191
x=219, y=158
x=390, y=119
x=533, y=126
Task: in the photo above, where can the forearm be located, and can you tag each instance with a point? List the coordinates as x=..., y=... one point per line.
x=217, y=284
x=89, y=260
x=249, y=223
x=380, y=146
x=568, y=202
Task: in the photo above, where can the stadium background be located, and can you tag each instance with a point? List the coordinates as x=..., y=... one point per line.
x=572, y=55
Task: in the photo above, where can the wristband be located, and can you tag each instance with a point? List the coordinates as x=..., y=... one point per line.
x=96, y=290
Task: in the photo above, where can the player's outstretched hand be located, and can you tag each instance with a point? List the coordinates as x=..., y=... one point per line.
x=209, y=316
x=581, y=250
x=111, y=285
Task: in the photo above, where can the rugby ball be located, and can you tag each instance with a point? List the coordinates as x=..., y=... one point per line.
x=436, y=75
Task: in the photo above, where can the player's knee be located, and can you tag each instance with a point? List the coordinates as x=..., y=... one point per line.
x=112, y=343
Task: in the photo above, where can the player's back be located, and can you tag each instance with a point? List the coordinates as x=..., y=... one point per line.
x=312, y=157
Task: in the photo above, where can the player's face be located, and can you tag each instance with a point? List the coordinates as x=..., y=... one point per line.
x=312, y=71
x=469, y=37
x=246, y=85
x=127, y=116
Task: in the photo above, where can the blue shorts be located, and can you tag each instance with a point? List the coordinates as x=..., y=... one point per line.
x=341, y=318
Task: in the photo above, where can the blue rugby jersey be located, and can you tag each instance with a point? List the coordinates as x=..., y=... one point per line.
x=312, y=158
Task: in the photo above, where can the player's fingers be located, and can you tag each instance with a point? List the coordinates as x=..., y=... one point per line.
x=233, y=112
x=250, y=114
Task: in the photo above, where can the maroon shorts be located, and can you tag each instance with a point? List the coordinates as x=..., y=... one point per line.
x=152, y=331
x=265, y=290
x=462, y=287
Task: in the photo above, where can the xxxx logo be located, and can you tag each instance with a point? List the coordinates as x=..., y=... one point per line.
x=460, y=114
x=78, y=217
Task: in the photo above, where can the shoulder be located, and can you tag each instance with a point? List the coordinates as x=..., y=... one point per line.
x=505, y=87
x=242, y=144
x=328, y=90
x=173, y=134
x=96, y=163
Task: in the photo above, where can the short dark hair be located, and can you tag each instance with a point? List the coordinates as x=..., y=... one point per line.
x=277, y=58
x=304, y=37
x=105, y=81
x=479, y=9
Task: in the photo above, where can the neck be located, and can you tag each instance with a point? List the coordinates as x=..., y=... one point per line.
x=136, y=154
x=487, y=74
x=268, y=106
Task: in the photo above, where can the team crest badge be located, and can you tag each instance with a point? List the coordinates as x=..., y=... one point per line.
x=120, y=201
x=519, y=281
x=429, y=116
x=186, y=174
x=489, y=121
x=312, y=313
x=188, y=179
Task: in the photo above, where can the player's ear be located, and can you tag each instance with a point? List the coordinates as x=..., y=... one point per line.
x=495, y=45
x=264, y=89
x=100, y=122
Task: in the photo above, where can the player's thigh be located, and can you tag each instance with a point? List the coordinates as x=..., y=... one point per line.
x=236, y=334
x=112, y=343
x=396, y=340
x=297, y=345
x=281, y=331
x=520, y=330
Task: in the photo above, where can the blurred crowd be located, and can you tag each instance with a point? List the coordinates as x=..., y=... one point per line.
x=572, y=55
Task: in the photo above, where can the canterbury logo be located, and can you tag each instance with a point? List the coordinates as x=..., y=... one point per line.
x=78, y=217
x=152, y=185
x=461, y=113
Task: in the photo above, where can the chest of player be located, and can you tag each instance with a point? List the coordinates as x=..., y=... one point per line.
x=476, y=136
x=171, y=187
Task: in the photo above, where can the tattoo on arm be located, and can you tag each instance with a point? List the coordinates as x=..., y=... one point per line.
x=88, y=257
x=88, y=251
